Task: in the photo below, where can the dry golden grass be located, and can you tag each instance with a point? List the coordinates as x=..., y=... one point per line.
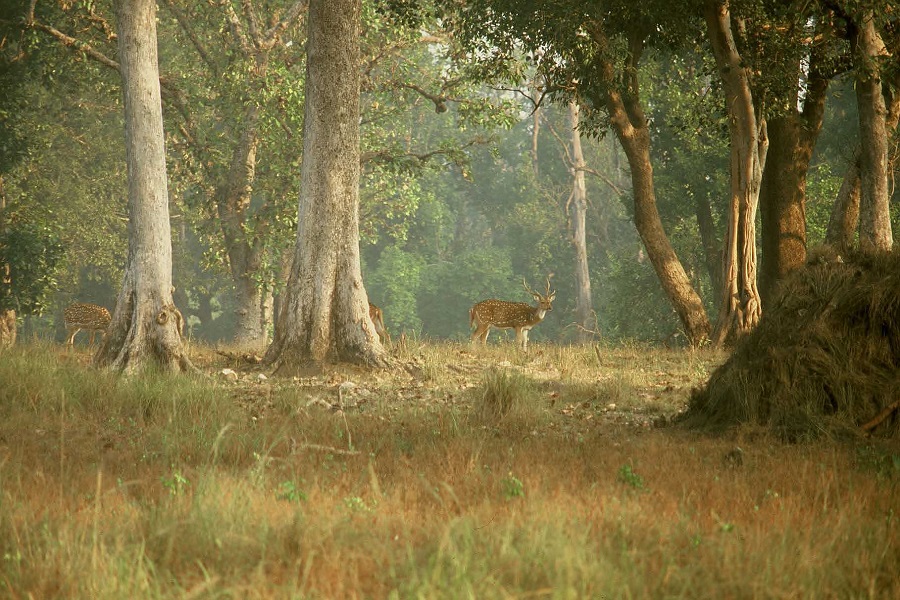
x=460, y=473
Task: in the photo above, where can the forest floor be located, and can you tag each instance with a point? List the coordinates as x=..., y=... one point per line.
x=459, y=472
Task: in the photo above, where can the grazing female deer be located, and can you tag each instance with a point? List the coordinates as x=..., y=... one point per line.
x=89, y=317
x=510, y=315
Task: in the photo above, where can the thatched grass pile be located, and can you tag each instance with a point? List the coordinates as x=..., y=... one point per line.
x=825, y=358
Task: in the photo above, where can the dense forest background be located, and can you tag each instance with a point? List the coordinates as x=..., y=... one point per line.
x=466, y=188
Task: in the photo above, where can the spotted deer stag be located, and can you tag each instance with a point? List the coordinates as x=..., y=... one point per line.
x=89, y=317
x=377, y=317
x=510, y=315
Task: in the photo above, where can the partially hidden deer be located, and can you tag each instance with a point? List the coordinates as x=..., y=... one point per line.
x=88, y=317
x=510, y=315
x=377, y=317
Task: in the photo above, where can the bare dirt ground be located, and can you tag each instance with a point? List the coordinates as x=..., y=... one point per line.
x=578, y=388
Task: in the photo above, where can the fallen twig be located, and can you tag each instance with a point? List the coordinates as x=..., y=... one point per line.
x=332, y=449
x=877, y=420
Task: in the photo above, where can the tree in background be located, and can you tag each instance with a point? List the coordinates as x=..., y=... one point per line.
x=30, y=248
x=600, y=48
x=146, y=326
x=576, y=211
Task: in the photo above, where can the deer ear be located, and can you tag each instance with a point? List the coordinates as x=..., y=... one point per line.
x=552, y=296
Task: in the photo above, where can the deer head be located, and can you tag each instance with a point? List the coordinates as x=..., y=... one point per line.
x=510, y=315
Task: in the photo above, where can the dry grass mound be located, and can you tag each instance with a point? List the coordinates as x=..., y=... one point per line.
x=825, y=358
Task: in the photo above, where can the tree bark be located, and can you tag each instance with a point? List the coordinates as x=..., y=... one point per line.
x=844, y=218
x=7, y=328
x=7, y=315
x=740, y=306
x=577, y=212
x=535, y=131
x=244, y=251
x=325, y=312
x=782, y=206
x=146, y=325
x=792, y=139
x=633, y=132
x=874, y=211
x=712, y=250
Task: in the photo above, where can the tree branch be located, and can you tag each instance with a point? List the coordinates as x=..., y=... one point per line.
x=75, y=44
x=195, y=41
x=268, y=40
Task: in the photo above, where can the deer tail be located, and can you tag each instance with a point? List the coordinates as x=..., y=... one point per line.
x=471, y=317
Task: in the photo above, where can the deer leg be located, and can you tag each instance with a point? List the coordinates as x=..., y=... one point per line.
x=71, y=331
x=522, y=338
x=93, y=333
x=480, y=333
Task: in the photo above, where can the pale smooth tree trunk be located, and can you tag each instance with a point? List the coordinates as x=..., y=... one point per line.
x=874, y=211
x=577, y=212
x=535, y=131
x=741, y=308
x=633, y=132
x=842, y=224
x=325, y=314
x=146, y=326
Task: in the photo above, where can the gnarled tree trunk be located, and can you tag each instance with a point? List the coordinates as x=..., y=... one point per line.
x=146, y=326
x=741, y=308
x=325, y=313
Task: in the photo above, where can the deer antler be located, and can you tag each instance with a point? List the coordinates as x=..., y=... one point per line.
x=528, y=289
x=548, y=285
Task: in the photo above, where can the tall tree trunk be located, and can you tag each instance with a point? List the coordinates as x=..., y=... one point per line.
x=577, y=212
x=792, y=139
x=7, y=315
x=712, y=251
x=741, y=309
x=146, y=325
x=244, y=251
x=845, y=214
x=326, y=313
x=535, y=131
x=633, y=132
x=874, y=212
x=782, y=206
